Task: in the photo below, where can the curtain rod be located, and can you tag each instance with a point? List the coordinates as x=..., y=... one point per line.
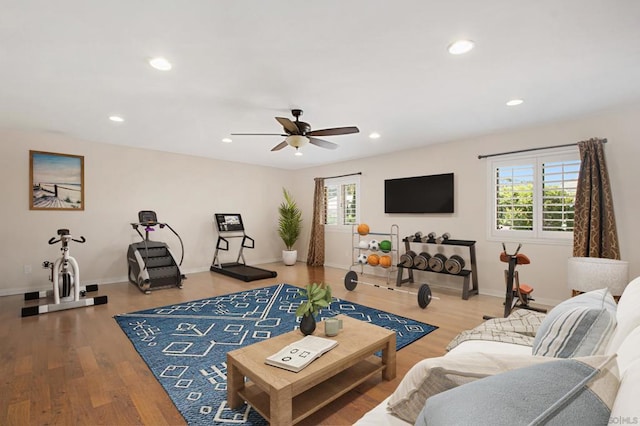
x=334, y=177
x=480, y=157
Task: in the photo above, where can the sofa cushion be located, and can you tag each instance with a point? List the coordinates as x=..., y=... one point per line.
x=626, y=409
x=434, y=375
x=627, y=314
x=580, y=326
x=560, y=392
x=629, y=350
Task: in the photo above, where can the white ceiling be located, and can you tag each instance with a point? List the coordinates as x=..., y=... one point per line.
x=67, y=65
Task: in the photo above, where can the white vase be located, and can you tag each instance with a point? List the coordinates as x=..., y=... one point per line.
x=289, y=257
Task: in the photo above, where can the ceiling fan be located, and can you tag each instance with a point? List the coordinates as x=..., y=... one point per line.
x=298, y=133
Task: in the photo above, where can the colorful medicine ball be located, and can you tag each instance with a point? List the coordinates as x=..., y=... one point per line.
x=362, y=259
x=373, y=260
x=373, y=245
x=385, y=246
x=363, y=229
x=385, y=261
x=363, y=244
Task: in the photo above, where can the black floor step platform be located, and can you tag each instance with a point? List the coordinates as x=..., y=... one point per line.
x=243, y=272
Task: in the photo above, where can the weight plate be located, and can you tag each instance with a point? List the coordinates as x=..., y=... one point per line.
x=454, y=264
x=424, y=296
x=351, y=280
x=420, y=262
x=436, y=263
x=406, y=259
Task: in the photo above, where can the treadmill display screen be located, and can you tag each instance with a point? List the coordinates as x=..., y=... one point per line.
x=229, y=222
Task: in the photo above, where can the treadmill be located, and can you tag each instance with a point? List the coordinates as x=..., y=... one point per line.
x=230, y=226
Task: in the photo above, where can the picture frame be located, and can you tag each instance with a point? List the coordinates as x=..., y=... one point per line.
x=56, y=181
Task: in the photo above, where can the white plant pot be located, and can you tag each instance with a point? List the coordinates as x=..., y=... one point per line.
x=289, y=257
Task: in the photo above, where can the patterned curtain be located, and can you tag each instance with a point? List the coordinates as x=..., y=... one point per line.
x=315, y=257
x=594, y=233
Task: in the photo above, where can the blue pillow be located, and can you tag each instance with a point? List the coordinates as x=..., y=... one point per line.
x=568, y=391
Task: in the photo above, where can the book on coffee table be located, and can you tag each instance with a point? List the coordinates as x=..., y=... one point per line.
x=297, y=355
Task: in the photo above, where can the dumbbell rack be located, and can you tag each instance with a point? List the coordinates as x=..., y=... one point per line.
x=392, y=235
x=467, y=274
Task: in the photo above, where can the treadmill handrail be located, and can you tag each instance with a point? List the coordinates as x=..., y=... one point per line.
x=226, y=243
x=244, y=244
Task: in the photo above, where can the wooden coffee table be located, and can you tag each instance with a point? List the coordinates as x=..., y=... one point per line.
x=283, y=397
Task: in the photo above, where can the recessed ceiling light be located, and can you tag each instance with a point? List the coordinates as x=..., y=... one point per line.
x=226, y=140
x=514, y=102
x=116, y=118
x=374, y=135
x=298, y=154
x=160, y=63
x=461, y=46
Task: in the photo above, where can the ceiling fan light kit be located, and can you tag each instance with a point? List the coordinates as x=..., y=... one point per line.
x=297, y=141
x=298, y=133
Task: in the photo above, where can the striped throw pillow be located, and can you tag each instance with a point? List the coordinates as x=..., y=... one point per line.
x=581, y=326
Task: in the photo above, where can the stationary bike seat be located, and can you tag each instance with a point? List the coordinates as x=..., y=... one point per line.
x=525, y=289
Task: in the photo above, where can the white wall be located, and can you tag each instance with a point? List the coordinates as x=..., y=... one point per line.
x=184, y=191
x=547, y=272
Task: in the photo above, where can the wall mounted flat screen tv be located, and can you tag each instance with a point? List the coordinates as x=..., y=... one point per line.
x=420, y=194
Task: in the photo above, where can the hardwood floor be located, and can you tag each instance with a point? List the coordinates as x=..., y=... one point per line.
x=77, y=367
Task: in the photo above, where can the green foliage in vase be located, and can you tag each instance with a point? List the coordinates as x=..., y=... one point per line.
x=317, y=296
x=290, y=222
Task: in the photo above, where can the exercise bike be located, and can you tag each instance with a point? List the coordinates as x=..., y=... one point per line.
x=518, y=295
x=64, y=273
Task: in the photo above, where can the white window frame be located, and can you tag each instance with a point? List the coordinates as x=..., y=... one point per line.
x=537, y=159
x=338, y=182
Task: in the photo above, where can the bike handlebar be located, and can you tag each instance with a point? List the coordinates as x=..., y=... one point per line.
x=53, y=240
x=151, y=224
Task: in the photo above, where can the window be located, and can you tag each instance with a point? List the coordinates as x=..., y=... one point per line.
x=341, y=201
x=533, y=195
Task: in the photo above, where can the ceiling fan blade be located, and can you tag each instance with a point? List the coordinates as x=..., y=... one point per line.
x=257, y=134
x=279, y=146
x=334, y=131
x=289, y=125
x=322, y=143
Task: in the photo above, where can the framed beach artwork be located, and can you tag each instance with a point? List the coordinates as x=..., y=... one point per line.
x=56, y=181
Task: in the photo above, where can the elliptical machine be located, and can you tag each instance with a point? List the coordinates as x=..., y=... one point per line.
x=65, y=276
x=152, y=265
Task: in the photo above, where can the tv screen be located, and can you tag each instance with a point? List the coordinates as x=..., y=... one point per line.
x=420, y=194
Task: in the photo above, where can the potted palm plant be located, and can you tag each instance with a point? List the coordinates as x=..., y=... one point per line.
x=316, y=296
x=289, y=227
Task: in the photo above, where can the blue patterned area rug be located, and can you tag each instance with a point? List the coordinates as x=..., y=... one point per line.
x=185, y=345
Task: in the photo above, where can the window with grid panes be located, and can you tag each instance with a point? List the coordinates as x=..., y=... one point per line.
x=533, y=195
x=341, y=201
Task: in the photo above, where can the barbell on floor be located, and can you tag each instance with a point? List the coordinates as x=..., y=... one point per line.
x=424, y=292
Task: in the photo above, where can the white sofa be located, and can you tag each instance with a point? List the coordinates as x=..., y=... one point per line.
x=623, y=340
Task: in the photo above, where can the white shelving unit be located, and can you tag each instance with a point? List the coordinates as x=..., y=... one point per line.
x=392, y=235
